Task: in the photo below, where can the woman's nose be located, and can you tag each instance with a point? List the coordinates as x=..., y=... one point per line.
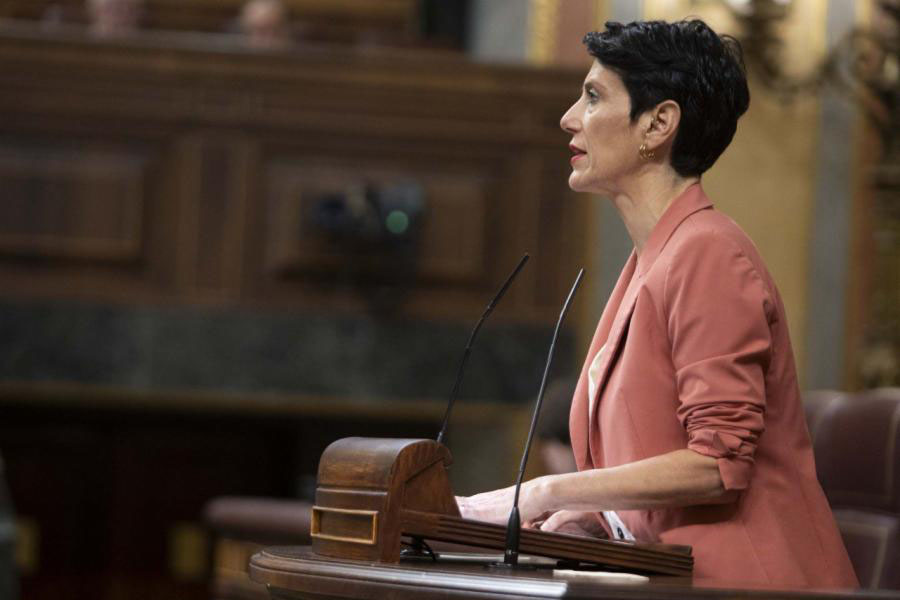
x=568, y=122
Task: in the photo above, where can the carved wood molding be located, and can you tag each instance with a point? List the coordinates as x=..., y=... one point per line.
x=237, y=146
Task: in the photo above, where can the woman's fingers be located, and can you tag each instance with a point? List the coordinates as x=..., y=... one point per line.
x=572, y=521
x=536, y=522
x=557, y=520
x=494, y=506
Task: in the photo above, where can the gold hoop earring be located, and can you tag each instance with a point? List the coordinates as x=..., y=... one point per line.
x=646, y=154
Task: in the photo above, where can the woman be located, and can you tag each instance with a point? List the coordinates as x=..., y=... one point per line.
x=686, y=424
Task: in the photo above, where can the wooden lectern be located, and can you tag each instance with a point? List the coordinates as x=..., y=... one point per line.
x=372, y=492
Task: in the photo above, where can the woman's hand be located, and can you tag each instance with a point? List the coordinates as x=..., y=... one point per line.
x=576, y=522
x=491, y=507
x=678, y=478
x=494, y=507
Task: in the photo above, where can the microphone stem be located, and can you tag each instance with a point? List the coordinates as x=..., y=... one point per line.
x=468, y=350
x=540, y=400
x=514, y=525
x=459, y=374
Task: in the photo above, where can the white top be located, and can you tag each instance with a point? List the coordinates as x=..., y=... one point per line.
x=620, y=532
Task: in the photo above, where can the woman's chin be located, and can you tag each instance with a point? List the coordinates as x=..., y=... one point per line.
x=576, y=183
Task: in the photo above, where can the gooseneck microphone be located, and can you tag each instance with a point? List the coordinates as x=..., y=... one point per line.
x=465, y=356
x=514, y=525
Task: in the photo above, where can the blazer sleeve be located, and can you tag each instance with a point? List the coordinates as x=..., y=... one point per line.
x=719, y=314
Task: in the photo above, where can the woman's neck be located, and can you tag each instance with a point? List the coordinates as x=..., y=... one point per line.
x=644, y=202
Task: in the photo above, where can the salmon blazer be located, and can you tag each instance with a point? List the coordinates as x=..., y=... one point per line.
x=696, y=354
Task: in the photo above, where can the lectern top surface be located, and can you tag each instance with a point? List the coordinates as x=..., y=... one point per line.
x=293, y=571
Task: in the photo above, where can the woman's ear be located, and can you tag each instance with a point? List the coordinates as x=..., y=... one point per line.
x=663, y=124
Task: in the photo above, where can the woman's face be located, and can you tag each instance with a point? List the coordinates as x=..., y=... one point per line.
x=604, y=141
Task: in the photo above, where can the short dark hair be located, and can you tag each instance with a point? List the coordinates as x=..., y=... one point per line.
x=686, y=62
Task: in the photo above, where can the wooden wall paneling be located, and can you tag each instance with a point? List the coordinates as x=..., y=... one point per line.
x=218, y=121
x=83, y=214
x=172, y=179
x=244, y=198
x=467, y=210
x=72, y=204
x=471, y=233
x=452, y=230
x=527, y=207
x=228, y=148
x=184, y=225
x=562, y=231
x=455, y=226
x=210, y=230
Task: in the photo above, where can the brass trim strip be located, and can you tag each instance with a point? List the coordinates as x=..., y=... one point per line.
x=315, y=529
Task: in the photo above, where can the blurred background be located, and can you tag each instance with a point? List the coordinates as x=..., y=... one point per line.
x=233, y=231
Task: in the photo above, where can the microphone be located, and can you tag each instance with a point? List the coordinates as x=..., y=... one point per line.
x=465, y=356
x=514, y=525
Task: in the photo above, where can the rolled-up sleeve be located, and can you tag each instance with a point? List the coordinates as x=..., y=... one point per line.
x=719, y=313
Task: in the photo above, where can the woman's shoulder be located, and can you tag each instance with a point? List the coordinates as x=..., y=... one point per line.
x=694, y=242
x=711, y=243
x=711, y=230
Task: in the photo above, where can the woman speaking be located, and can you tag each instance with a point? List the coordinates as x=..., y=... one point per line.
x=686, y=424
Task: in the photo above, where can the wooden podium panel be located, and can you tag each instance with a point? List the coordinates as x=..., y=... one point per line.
x=373, y=492
x=295, y=572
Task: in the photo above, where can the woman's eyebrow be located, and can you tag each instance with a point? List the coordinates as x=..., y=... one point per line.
x=593, y=83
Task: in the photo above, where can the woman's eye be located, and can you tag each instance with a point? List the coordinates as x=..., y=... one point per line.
x=592, y=96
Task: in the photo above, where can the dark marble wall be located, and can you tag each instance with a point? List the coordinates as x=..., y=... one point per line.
x=354, y=357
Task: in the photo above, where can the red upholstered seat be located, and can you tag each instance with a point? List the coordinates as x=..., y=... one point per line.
x=260, y=520
x=240, y=526
x=855, y=440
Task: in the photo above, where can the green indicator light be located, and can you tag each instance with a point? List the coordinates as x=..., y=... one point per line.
x=397, y=222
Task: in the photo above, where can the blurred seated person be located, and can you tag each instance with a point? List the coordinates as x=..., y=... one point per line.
x=264, y=24
x=53, y=15
x=114, y=17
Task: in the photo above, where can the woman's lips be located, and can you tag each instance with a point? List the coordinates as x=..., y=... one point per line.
x=578, y=153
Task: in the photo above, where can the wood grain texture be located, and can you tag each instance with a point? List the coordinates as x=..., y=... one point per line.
x=377, y=477
x=296, y=572
x=660, y=558
x=371, y=492
x=72, y=203
x=212, y=159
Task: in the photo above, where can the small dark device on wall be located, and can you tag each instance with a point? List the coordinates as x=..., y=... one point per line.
x=372, y=217
x=376, y=229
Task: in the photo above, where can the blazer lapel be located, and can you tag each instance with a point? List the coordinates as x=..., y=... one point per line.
x=613, y=343
x=579, y=414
